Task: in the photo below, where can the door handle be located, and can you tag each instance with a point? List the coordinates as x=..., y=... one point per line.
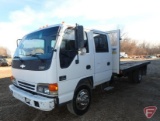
x=88, y=67
x=108, y=63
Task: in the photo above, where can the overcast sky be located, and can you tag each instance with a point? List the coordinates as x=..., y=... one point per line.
x=139, y=19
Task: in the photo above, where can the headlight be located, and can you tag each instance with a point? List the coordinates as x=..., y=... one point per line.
x=43, y=89
x=50, y=89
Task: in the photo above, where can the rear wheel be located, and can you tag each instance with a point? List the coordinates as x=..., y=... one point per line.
x=136, y=76
x=81, y=101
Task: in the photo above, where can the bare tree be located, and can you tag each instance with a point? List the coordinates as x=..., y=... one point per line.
x=131, y=47
x=3, y=51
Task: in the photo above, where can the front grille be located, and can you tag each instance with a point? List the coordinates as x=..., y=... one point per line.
x=26, y=85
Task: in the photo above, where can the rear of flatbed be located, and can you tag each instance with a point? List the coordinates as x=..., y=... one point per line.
x=134, y=70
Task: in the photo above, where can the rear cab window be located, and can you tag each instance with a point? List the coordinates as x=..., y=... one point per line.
x=101, y=43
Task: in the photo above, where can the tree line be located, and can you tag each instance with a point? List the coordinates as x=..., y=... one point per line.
x=134, y=47
x=3, y=52
x=128, y=45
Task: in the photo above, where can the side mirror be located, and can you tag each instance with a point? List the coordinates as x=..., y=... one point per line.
x=79, y=36
x=18, y=41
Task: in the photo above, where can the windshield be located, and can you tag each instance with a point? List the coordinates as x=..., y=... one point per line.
x=39, y=43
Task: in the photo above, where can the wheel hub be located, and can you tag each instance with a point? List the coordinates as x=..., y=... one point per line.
x=82, y=99
x=140, y=77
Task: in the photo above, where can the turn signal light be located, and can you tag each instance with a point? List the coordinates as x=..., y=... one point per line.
x=53, y=87
x=12, y=78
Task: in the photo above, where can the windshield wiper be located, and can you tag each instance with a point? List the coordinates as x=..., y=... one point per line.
x=35, y=55
x=19, y=58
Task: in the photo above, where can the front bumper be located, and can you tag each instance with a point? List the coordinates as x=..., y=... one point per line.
x=36, y=101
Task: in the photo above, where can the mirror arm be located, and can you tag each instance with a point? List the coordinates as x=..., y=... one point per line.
x=18, y=41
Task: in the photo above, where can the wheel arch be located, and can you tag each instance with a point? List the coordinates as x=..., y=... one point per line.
x=88, y=81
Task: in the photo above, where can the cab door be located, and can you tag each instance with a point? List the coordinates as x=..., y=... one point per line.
x=72, y=67
x=102, y=58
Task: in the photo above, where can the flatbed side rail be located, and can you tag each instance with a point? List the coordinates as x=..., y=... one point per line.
x=132, y=66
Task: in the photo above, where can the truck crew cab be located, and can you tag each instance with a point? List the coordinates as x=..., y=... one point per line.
x=61, y=64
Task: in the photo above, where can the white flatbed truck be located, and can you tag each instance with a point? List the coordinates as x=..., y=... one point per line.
x=61, y=64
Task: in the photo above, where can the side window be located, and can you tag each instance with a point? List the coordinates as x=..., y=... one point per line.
x=101, y=43
x=68, y=47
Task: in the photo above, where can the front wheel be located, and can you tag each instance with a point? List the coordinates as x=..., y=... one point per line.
x=81, y=101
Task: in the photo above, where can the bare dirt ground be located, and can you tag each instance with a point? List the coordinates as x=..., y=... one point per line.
x=5, y=72
x=125, y=103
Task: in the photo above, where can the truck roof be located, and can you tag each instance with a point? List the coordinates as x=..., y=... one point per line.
x=64, y=24
x=46, y=27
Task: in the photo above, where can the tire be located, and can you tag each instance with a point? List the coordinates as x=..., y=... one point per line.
x=81, y=101
x=136, y=76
